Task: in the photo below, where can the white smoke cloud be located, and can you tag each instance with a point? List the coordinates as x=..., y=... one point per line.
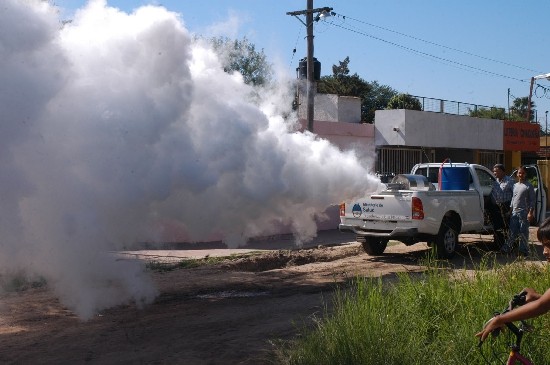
x=116, y=126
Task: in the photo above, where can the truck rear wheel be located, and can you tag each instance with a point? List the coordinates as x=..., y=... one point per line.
x=446, y=240
x=374, y=246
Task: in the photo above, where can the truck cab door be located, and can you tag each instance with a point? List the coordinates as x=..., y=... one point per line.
x=485, y=182
x=535, y=178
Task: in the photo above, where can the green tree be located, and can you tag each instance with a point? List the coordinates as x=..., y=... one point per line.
x=342, y=70
x=377, y=99
x=404, y=101
x=373, y=96
x=242, y=56
x=490, y=113
x=518, y=111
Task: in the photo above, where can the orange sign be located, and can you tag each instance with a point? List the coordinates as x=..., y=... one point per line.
x=521, y=136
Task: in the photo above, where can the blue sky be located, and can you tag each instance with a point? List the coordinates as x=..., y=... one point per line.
x=467, y=51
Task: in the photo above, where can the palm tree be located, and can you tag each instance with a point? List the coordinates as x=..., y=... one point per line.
x=518, y=111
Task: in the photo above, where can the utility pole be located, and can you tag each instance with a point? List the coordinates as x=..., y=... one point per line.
x=508, y=103
x=546, y=135
x=309, y=27
x=529, y=100
x=310, y=81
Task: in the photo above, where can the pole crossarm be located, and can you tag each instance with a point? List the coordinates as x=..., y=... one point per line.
x=304, y=12
x=295, y=14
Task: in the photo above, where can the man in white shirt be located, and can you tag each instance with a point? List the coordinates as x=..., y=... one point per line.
x=523, y=208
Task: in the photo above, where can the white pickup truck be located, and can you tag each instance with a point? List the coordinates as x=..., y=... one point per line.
x=428, y=205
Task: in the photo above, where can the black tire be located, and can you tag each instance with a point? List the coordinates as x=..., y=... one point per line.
x=446, y=241
x=374, y=246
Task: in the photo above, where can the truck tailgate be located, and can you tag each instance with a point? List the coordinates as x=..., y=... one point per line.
x=379, y=211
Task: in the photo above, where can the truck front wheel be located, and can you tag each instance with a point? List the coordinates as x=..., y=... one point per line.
x=374, y=246
x=446, y=240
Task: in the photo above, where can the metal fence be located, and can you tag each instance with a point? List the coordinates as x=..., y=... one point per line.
x=400, y=160
x=451, y=107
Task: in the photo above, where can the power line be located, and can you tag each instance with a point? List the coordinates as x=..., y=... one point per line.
x=545, y=92
x=295, y=45
x=438, y=44
x=447, y=61
x=468, y=67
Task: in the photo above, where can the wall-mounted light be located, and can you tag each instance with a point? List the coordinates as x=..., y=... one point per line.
x=325, y=13
x=545, y=76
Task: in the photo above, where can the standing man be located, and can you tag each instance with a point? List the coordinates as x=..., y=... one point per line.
x=502, y=197
x=523, y=204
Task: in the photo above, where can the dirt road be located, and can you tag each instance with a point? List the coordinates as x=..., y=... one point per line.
x=226, y=313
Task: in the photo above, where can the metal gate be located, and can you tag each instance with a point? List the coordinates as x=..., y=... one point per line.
x=401, y=160
x=490, y=158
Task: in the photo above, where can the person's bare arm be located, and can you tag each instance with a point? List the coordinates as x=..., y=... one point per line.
x=530, y=294
x=533, y=308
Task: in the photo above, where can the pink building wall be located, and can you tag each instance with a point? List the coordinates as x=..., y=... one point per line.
x=344, y=135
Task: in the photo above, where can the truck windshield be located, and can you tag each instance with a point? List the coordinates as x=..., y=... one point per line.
x=433, y=176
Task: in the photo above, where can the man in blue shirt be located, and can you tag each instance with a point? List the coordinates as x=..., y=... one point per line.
x=523, y=207
x=502, y=198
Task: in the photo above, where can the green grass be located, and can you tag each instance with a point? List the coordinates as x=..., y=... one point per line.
x=19, y=282
x=163, y=266
x=427, y=318
x=160, y=266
